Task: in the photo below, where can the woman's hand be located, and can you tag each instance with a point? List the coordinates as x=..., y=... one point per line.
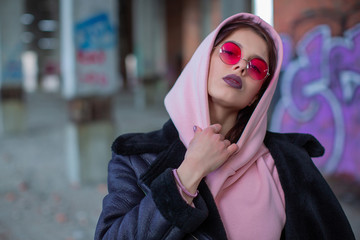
x=207, y=151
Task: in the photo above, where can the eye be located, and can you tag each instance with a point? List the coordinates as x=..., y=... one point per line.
x=229, y=52
x=255, y=68
x=231, y=48
x=259, y=65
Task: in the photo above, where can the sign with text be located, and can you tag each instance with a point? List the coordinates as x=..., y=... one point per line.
x=95, y=50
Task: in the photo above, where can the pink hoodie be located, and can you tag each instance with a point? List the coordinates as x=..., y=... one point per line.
x=246, y=188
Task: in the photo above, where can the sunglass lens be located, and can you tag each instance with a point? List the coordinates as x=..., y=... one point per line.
x=230, y=53
x=258, y=69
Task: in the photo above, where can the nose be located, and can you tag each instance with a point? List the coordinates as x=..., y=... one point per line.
x=241, y=66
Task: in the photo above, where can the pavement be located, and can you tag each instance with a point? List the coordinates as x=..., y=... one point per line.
x=38, y=201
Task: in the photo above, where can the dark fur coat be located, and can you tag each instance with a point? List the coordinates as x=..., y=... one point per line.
x=144, y=202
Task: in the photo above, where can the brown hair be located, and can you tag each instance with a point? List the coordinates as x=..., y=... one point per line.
x=244, y=114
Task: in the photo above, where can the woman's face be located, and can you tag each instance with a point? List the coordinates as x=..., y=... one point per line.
x=222, y=87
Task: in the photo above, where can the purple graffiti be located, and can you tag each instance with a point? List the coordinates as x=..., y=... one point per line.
x=320, y=94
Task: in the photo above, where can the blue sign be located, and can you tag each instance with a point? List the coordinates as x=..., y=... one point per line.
x=95, y=33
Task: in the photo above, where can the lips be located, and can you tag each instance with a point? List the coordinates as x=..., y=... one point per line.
x=233, y=81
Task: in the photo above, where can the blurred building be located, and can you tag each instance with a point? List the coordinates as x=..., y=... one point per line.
x=88, y=50
x=165, y=30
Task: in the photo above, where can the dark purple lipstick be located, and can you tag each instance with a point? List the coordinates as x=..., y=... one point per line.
x=233, y=81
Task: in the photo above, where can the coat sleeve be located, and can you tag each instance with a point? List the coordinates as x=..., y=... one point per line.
x=158, y=212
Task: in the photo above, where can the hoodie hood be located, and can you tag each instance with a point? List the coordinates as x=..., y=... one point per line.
x=187, y=101
x=251, y=171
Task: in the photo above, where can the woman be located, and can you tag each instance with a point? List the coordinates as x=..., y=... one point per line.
x=213, y=171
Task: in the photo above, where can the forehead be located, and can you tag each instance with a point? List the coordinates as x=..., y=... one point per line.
x=252, y=44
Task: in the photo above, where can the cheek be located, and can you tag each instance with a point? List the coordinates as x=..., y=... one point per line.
x=212, y=74
x=256, y=87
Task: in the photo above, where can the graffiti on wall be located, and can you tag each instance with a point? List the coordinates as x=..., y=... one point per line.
x=320, y=94
x=95, y=43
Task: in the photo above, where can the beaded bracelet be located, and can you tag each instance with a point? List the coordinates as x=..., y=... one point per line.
x=183, y=188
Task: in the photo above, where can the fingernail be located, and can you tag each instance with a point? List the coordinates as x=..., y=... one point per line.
x=194, y=128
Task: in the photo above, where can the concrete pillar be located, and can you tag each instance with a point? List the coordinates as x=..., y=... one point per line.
x=90, y=76
x=230, y=7
x=90, y=134
x=12, y=106
x=191, y=28
x=264, y=9
x=150, y=48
